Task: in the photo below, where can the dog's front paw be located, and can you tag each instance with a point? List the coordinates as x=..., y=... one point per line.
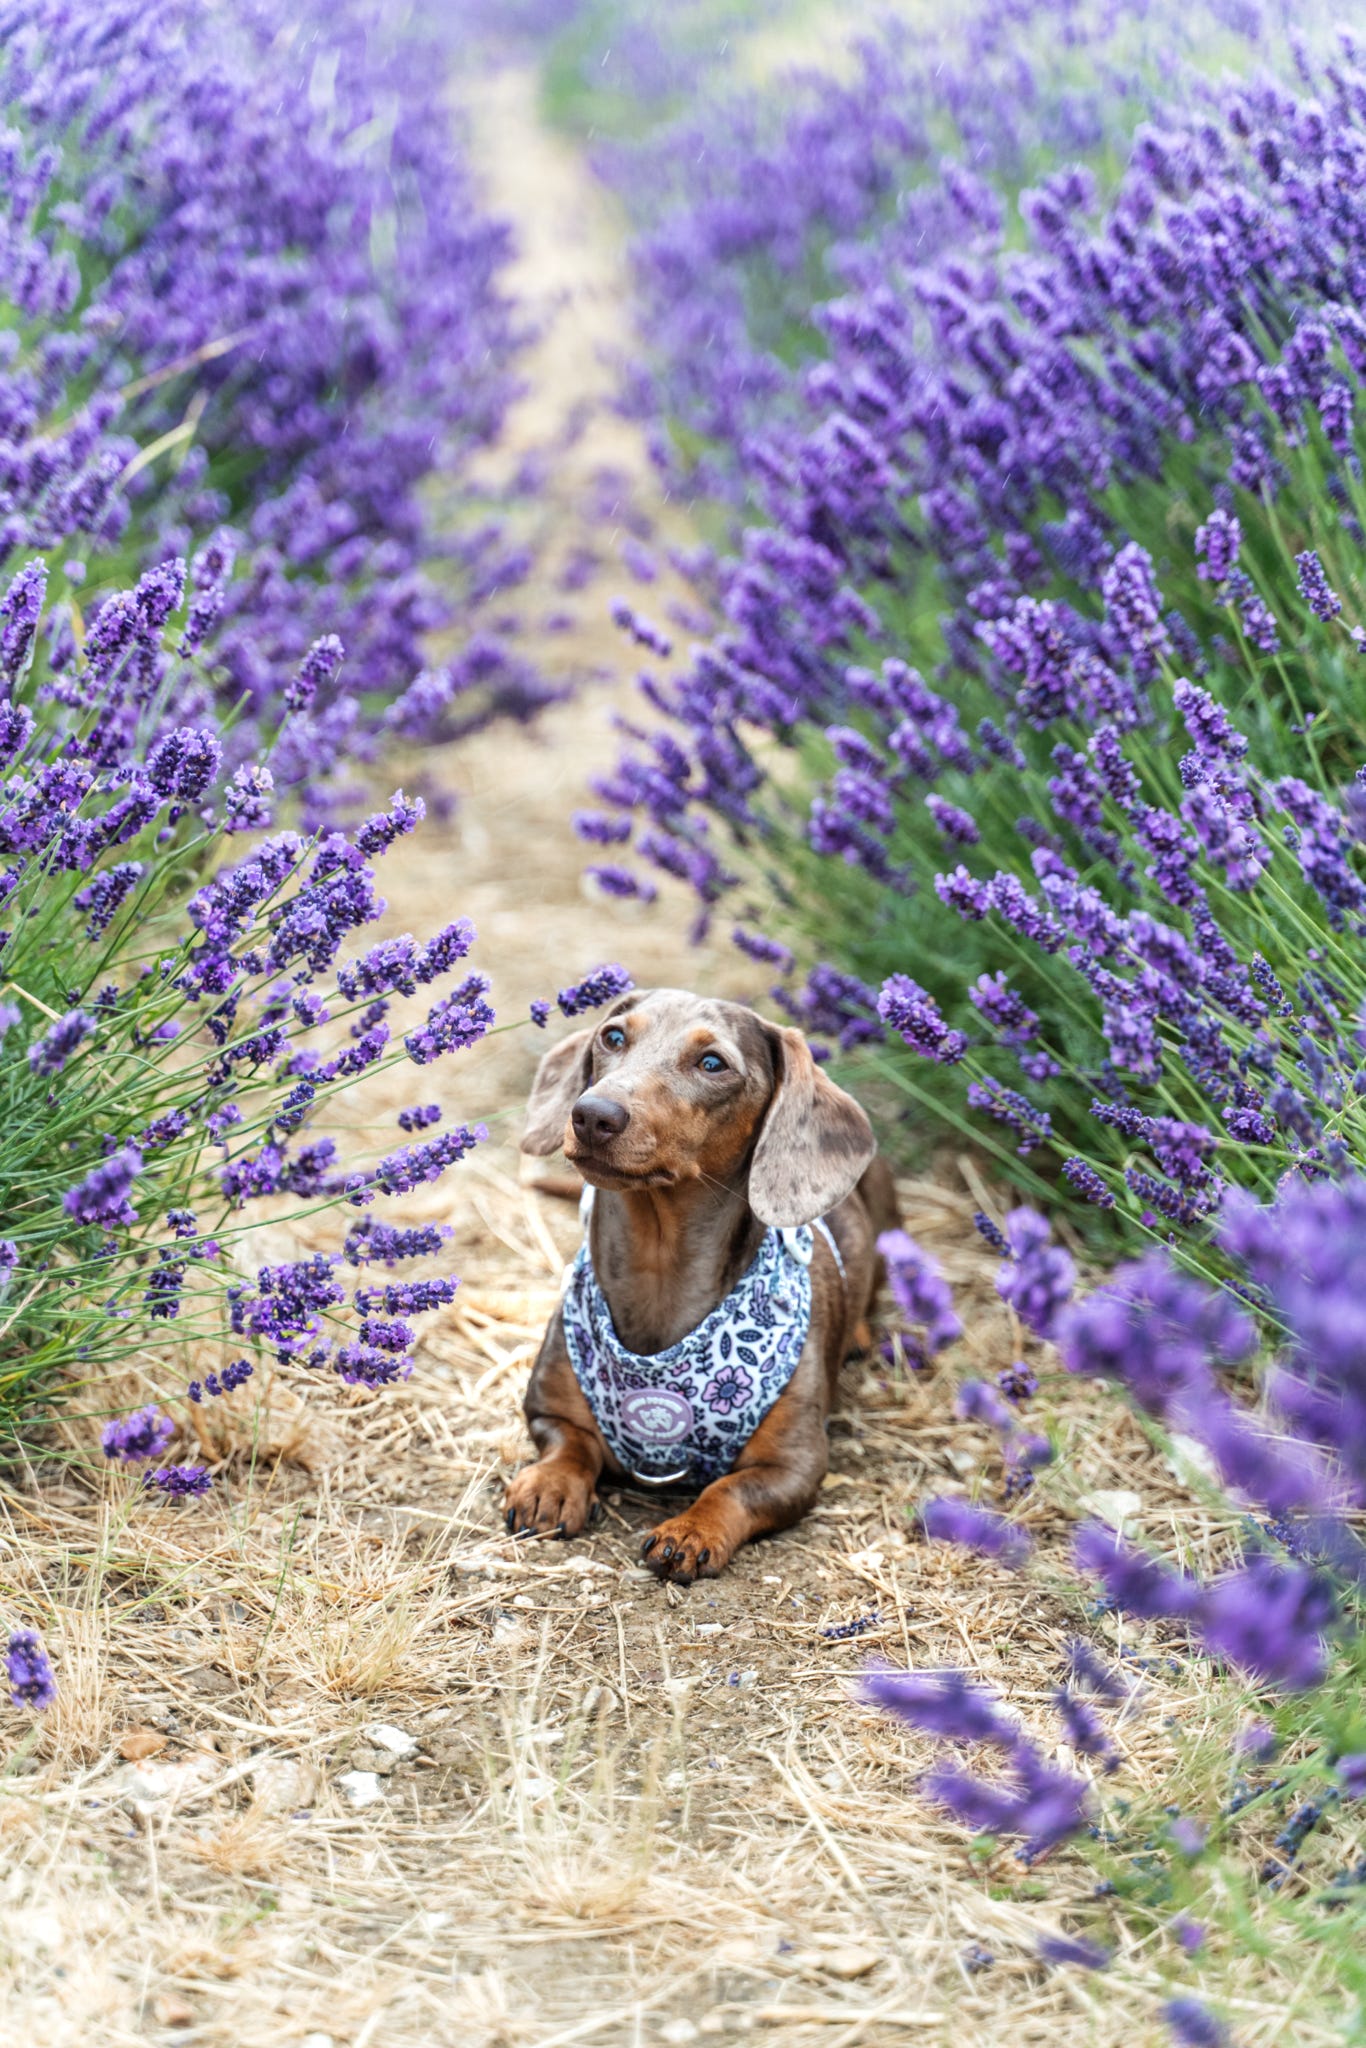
x=685, y=1548
x=552, y=1498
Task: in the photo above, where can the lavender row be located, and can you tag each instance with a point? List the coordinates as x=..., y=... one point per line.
x=1113, y=779
x=255, y=307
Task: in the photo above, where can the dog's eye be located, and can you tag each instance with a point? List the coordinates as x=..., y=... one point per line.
x=614, y=1038
x=712, y=1063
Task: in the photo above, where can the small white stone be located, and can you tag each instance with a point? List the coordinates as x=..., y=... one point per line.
x=678, y=2033
x=317, y=2041
x=1115, y=1506
x=360, y=1788
x=397, y=1741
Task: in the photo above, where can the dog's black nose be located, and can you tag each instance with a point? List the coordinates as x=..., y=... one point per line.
x=596, y=1118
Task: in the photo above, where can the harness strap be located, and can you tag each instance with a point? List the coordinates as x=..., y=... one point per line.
x=828, y=1234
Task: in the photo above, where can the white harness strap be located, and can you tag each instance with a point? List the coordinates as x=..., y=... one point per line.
x=828, y=1234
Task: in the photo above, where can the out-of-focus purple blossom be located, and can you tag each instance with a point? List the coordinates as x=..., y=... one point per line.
x=1060, y=1949
x=1257, y=1742
x=1018, y=1382
x=137, y=1438
x=944, y=1703
x=1156, y=1332
x=1037, y=1800
x=1134, y=1581
x=50, y=1053
x=1188, y=1835
x=957, y=1521
x=103, y=1196
x=29, y=1669
x=1038, y=1278
x=919, y=1288
x=1193, y=2025
x=1085, y=1730
x=1271, y=1621
x=1190, y=1935
x=1351, y=1775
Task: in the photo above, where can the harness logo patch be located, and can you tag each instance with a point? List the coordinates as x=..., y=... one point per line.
x=655, y=1415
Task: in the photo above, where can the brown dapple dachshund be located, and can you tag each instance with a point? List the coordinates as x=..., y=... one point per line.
x=699, y=1125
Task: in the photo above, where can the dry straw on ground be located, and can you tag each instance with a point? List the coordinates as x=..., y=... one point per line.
x=338, y=1762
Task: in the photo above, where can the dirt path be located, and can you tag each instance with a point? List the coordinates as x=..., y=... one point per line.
x=337, y=1762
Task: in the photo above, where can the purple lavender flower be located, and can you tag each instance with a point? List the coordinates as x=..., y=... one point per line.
x=1190, y=1935
x=1271, y=1620
x=1193, y=2025
x=1257, y=1742
x=760, y=947
x=137, y=1438
x=1085, y=1729
x=957, y=1521
x=977, y=1402
x=1155, y=1332
x=596, y=988
x=460, y=1019
x=1018, y=1382
x=1134, y=1581
x=419, y=1118
x=1351, y=1775
x=919, y=1289
x=31, y=1679
x=909, y=1010
x=945, y=1703
x=540, y=1014
x=1038, y=1279
x=1060, y=1949
x=103, y=1196
x=1217, y=545
x=179, y=1482
x=50, y=1053
x=1086, y=1668
x=1321, y=599
x=1036, y=1800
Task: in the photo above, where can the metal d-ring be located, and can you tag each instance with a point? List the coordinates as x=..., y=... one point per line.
x=661, y=1478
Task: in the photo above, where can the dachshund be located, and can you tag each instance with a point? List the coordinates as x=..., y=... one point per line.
x=734, y=1200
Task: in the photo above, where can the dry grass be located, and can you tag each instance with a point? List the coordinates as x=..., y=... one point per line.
x=622, y=1817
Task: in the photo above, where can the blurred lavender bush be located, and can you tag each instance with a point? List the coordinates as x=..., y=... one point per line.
x=249, y=294
x=1036, y=706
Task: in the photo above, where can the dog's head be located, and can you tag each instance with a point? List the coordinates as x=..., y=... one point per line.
x=670, y=1087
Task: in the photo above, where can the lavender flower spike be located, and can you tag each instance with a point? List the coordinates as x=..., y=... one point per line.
x=957, y=1521
x=919, y=1288
x=32, y=1683
x=595, y=989
x=1193, y=2025
x=137, y=1438
x=1038, y=1279
x=943, y=1703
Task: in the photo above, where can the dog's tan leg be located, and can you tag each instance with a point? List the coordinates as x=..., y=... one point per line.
x=772, y=1484
x=555, y=1496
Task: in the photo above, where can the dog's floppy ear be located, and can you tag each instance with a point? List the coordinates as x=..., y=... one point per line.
x=561, y=1078
x=815, y=1143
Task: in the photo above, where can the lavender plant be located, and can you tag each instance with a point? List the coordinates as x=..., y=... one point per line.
x=1265, y=1379
x=251, y=307
x=1102, y=865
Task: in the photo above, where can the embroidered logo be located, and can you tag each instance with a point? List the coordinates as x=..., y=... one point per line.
x=657, y=1416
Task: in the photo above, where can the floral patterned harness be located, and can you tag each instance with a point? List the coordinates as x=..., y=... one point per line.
x=688, y=1412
